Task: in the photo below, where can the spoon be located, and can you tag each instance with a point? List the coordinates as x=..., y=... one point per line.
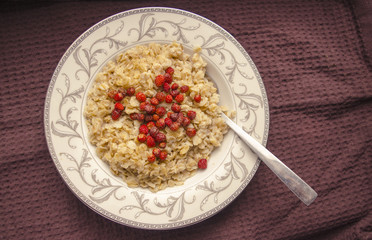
x=298, y=186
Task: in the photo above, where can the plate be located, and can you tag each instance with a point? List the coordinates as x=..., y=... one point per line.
x=231, y=166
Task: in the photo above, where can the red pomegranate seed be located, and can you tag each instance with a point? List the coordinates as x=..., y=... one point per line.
x=140, y=117
x=179, y=98
x=169, y=70
x=202, y=163
x=133, y=116
x=162, y=144
x=142, y=137
x=191, y=114
x=180, y=118
x=119, y=106
x=184, y=89
x=151, y=158
x=118, y=96
x=154, y=131
x=186, y=121
x=168, y=78
x=156, y=152
x=191, y=132
x=141, y=97
x=174, y=126
x=155, y=117
x=159, y=80
x=173, y=116
x=166, y=87
x=150, y=109
x=163, y=155
x=160, y=96
x=161, y=111
x=150, y=141
x=160, y=137
x=115, y=114
x=174, y=86
x=175, y=107
x=148, y=118
x=144, y=129
x=160, y=123
x=168, y=121
x=197, y=98
x=131, y=91
x=168, y=98
x=154, y=101
x=174, y=93
x=143, y=105
x=150, y=125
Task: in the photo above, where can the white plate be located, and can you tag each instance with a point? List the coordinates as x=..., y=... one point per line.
x=231, y=166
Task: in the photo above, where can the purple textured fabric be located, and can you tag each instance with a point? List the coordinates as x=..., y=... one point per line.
x=315, y=60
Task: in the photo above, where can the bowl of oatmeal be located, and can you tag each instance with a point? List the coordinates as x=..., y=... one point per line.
x=132, y=118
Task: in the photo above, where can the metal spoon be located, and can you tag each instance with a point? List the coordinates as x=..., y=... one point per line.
x=288, y=177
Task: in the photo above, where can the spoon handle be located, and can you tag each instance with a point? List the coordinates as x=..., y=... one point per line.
x=298, y=186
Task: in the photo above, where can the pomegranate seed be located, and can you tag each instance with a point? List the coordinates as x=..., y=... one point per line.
x=184, y=89
x=162, y=144
x=115, y=114
x=160, y=123
x=119, y=106
x=191, y=132
x=169, y=114
x=168, y=121
x=163, y=155
x=168, y=78
x=140, y=117
x=191, y=114
x=169, y=70
x=160, y=137
x=142, y=137
x=155, y=117
x=202, y=163
x=166, y=87
x=160, y=111
x=174, y=93
x=150, y=141
x=186, y=121
x=148, y=118
x=118, y=96
x=111, y=93
x=154, y=131
x=133, y=116
x=160, y=96
x=156, y=152
x=174, y=126
x=173, y=116
x=179, y=98
x=143, y=105
x=151, y=158
x=168, y=98
x=150, y=109
x=197, y=98
x=174, y=86
x=159, y=80
x=131, y=91
x=150, y=125
x=175, y=107
x=144, y=129
x=180, y=118
x=141, y=97
x=154, y=101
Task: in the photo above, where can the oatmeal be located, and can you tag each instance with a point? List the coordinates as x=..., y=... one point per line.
x=153, y=115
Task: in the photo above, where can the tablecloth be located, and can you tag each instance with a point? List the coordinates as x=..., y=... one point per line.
x=314, y=58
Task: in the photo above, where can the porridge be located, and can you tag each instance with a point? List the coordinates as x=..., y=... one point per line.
x=153, y=115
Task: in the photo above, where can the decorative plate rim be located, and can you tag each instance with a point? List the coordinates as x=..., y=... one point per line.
x=94, y=206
